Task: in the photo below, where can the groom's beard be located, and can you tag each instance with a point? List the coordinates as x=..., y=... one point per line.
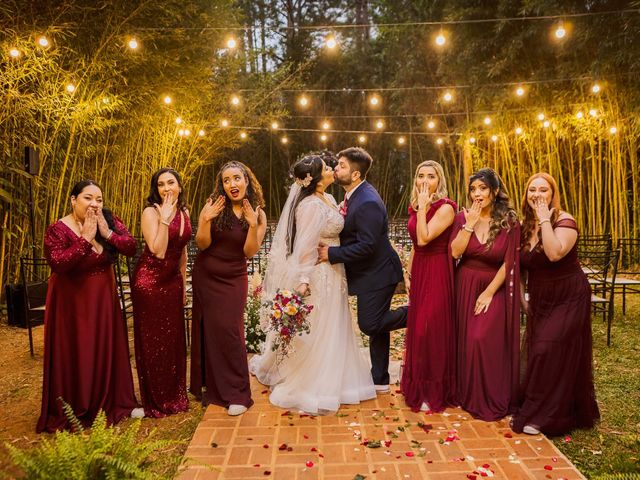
x=342, y=183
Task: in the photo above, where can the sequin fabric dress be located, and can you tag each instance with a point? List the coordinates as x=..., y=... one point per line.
x=218, y=351
x=158, y=325
x=86, y=353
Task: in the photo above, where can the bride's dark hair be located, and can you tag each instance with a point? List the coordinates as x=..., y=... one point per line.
x=306, y=172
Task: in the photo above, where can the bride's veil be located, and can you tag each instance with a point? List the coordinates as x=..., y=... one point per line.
x=277, y=274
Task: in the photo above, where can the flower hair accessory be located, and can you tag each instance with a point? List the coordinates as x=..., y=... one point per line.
x=304, y=182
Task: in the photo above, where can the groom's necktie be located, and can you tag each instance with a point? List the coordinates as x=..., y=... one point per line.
x=343, y=209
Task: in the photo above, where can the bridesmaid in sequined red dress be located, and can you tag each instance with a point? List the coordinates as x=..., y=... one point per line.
x=158, y=293
x=486, y=239
x=428, y=376
x=231, y=228
x=558, y=389
x=86, y=354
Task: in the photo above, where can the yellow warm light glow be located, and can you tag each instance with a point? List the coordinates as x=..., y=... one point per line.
x=71, y=88
x=303, y=101
x=14, y=52
x=235, y=100
x=178, y=120
x=487, y=120
x=593, y=112
x=201, y=133
x=187, y=132
x=374, y=100
x=579, y=115
x=224, y=123
x=132, y=44
x=379, y=125
x=595, y=88
x=560, y=32
x=181, y=132
x=472, y=140
x=439, y=141
x=494, y=138
x=613, y=130
x=243, y=135
x=167, y=99
x=43, y=42
x=323, y=137
x=284, y=140
x=447, y=97
x=326, y=125
x=431, y=125
x=546, y=124
x=402, y=140
x=518, y=131
x=520, y=91
x=541, y=116
x=231, y=43
x=362, y=139
x=330, y=42
x=441, y=40
x=274, y=125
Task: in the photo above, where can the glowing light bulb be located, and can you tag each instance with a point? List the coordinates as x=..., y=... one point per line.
x=431, y=125
x=70, y=88
x=187, y=132
x=235, y=100
x=613, y=130
x=595, y=88
x=106, y=100
x=132, y=44
x=201, y=133
x=224, y=123
x=593, y=112
x=326, y=125
x=284, y=140
x=167, y=100
x=303, y=101
x=374, y=100
x=43, y=42
x=441, y=40
x=472, y=140
x=178, y=121
x=181, y=132
x=560, y=32
x=541, y=116
x=275, y=126
x=494, y=138
x=520, y=91
x=379, y=125
x=330, y=42
x=447, y=97
x=487, y=120
x=518, y=131
x=231, y=43
x=546, y=124
x=439, y=141
x=14, y=52
x=362, y=139
x=243, y=135
x=579, y=115
x=323, y=137
x=401, y=140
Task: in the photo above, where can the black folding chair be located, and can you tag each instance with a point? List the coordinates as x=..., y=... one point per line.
x=601, y=269
x=628, y=268
x=34, y=274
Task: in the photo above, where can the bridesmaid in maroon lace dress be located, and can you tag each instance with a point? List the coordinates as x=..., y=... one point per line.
x=429, y=364
x=558, y=390
x=231, y=228
x=86, y=354
x=486, y=239
x=158, y=292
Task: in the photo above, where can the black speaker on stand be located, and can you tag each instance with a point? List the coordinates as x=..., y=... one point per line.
x=32, y=167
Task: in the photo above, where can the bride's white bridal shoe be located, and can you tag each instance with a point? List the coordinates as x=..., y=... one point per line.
x=236, y=410
x=530, y=430
x=425, y=407
x=137, y=413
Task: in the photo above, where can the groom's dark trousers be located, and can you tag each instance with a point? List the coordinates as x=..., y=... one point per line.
x=373, y=270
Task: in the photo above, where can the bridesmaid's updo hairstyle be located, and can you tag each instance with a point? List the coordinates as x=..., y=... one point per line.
x=306, y=172
x=502, y=213
x=154, y=195
x=111, y=251
x=254, y=195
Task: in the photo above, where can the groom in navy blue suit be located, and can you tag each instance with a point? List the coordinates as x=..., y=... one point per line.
x=372, y=265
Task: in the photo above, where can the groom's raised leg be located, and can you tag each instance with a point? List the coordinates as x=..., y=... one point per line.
x=376, y=320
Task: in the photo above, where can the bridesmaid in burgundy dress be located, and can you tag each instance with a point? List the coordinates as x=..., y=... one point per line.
x=158, y=293
x=428, y=377
x=86, y=354
x=231, y=228
x=486, y=239
x=558, y=389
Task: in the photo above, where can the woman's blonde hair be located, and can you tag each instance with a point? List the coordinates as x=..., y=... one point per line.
x=441, y=191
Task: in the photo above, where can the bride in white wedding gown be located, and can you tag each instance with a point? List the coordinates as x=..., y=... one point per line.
x=327, y=367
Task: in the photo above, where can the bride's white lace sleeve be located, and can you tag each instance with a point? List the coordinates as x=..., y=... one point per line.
x=311, y=217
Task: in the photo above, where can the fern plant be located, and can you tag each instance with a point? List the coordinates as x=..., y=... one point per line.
x=103, y=453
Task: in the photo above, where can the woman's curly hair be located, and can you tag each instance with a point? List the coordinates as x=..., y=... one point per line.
x=503, y=215
x=254, y=195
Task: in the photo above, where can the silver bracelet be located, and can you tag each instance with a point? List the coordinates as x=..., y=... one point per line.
x=543, y=221
x=110, y=234
x=467, y=229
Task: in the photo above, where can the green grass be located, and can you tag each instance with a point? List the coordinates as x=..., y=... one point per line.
x=613, y=446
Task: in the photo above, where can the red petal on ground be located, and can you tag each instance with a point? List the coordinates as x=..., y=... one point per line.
x=265, y=446
x=508, y=435
x=309, y=464
x=548, y=467
x=267, y=473
x=409, y=454
x=282, y=447
x=486, y=465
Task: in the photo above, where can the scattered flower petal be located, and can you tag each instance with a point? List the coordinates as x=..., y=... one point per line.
x=309, y=464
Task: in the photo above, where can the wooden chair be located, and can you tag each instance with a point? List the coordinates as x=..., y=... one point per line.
x=601, y=269
x=34, y=274
x=629, y=266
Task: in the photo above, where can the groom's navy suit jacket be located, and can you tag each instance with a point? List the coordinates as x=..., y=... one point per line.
x=370, y=261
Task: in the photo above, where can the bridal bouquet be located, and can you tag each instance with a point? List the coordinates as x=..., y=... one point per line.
x=287, y=318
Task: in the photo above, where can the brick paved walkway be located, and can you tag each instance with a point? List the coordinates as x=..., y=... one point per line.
x=267, y=442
